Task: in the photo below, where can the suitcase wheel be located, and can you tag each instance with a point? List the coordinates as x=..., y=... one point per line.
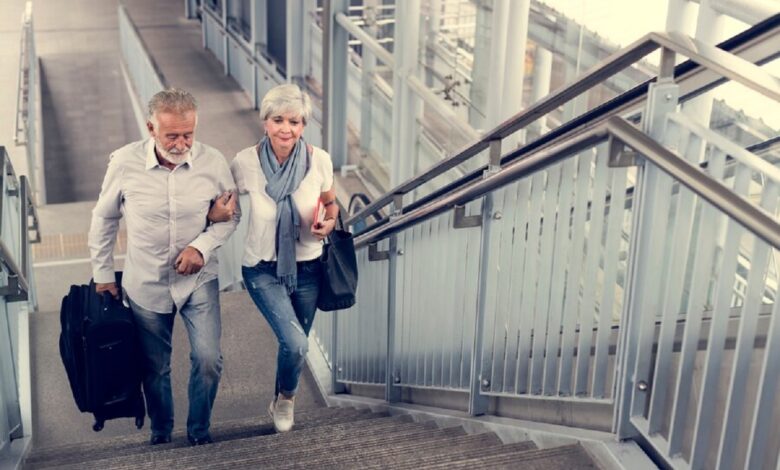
x=98, y=426
x=139, y=422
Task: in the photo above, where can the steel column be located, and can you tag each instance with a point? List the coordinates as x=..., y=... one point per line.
x=540, y=86
x=294, y=44
x=406, y=105
x=511, y=98
x=336, y=91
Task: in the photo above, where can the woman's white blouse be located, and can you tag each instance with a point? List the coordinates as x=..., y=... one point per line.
x=261, y=235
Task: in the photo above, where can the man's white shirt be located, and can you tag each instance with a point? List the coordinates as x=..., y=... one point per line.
x=165, y=211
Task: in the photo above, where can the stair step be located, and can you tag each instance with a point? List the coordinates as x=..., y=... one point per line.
x=350, y=448
x=555, y=458
x=453, y=451
x=403, y=452
x=225, y=430
x=252, y=447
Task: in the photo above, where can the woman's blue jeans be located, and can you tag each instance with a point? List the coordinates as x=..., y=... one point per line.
x=201, y=317
x=289, y=315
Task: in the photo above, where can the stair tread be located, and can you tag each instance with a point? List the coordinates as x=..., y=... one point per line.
x=225, y=430
x=264, y=437
x=340, y=450
x=554, y=458
x=411, y=453
x=322, y=438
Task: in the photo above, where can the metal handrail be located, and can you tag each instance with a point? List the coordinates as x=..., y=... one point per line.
x=751, y=217
x=703, y=58
x=18, y=286
x=23, y=76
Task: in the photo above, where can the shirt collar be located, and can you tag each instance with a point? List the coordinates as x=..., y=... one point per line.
x=151, y=156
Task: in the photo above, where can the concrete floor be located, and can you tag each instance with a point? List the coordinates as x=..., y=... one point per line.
x=86, y=110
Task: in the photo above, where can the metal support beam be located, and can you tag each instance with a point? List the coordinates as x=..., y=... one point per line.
x=225, y=39
x=748, y=11
x=540, y=86
x=295, y=44
x=709, y=30
x=190, y=9
x=368, y=64
x=406, y=106
x=498, y=60
x=511, y=98
x=336, y=91
x=643, y=280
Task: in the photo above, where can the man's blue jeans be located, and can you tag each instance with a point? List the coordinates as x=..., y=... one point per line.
x=201, y=317
x=289, y=315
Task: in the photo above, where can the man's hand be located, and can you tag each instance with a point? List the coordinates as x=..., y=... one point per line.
x=189, y=261
x=224, y=207
x=109, y=287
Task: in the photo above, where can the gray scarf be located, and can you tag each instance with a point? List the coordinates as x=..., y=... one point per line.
x=282, y=181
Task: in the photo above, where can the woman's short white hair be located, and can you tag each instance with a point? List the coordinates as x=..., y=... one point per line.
x=286, y=99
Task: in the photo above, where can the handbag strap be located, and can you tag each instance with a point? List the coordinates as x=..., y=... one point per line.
x=339, y=224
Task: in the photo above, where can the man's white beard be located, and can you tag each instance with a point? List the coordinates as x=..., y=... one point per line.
x=172, y=156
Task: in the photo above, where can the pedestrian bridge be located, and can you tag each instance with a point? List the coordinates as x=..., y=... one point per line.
x=590, y=282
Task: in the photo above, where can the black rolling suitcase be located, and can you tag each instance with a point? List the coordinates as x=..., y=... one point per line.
x=101, y=354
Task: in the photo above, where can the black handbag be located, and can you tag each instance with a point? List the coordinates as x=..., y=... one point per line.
x=339, y=278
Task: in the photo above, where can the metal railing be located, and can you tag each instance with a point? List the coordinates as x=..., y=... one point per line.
x=27, y=128
x=525, y=306
x=694, y=77
x=17, y=294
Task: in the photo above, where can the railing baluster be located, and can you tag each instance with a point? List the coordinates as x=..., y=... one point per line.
x=746, y=339
x=559, y=263
x=497, y=309
x=589, y=281
x=418, y=338
x=520, y=216
x=405, y=268
x=682, y=227
x=542, y=329
x=571, y=303
x=527, y=308
x=613, y=245
x=438, y=292
x=760, y=432
x=451, y=261
x=703, y=264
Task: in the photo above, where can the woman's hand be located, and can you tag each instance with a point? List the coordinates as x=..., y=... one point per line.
x=224, y=207
x=322, y=229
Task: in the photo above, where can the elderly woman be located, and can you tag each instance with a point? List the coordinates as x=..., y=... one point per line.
x=287, y=180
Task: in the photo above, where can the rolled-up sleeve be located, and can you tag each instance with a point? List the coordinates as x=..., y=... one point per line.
x=217, y=234
x=105, y=224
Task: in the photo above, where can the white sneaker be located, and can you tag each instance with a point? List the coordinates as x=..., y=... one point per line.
x=282, y=412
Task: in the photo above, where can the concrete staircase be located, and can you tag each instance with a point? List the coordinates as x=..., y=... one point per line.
x=321, y=438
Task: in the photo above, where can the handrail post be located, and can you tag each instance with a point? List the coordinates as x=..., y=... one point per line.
x=392, y=376
x=478, y=403
x=634, y=362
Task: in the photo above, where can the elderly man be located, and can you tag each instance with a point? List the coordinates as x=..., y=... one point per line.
x=164, y=186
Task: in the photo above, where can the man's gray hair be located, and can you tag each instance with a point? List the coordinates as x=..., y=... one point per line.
x=172, y=100
x=286, y=99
